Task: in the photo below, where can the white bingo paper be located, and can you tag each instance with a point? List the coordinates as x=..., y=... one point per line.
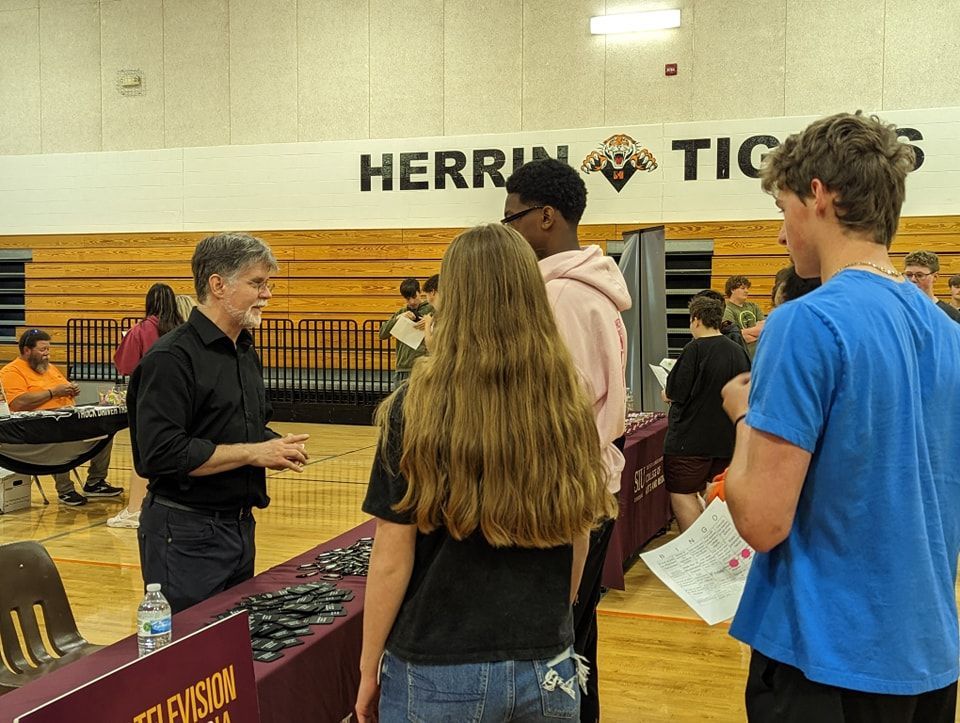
x=661, y=370
x=404, y=331
x=707, y=565
x=661, y=374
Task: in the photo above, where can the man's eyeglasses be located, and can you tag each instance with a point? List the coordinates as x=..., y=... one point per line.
x=917, y=275
x=263, y=286
x=518, y=215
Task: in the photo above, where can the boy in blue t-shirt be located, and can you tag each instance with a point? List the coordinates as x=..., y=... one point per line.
x=843, y=476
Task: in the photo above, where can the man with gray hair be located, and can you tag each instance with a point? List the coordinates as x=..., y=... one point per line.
x=198, y=425
x=922, y=268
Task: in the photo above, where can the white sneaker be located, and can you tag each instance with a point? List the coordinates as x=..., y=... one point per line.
x=125, y=518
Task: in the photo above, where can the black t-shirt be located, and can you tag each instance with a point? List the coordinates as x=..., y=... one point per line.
x=949, y=310
x=698, y=426
x=469, y=602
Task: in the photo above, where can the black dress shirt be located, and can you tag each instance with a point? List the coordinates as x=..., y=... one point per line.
x=192, y=391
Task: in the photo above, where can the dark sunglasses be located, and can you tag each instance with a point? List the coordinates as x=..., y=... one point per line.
x=519, y=214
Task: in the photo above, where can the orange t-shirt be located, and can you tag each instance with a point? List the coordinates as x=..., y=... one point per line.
x=19, y=378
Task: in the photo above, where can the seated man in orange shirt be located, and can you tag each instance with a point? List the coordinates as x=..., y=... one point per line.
x=32, y=382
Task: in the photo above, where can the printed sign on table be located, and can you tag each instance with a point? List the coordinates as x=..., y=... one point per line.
x=206, y=677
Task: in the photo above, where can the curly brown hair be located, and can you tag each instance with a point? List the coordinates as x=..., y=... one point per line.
x=859, y=158
x=708, y=311
x=734, y=283
x=927, y=259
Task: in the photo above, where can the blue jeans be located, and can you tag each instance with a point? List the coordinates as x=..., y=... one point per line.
x=510, y=690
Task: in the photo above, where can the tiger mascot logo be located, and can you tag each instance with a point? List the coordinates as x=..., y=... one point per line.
x=618, y=158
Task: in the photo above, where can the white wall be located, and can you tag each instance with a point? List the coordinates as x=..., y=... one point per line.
x=222, y=72
x=317, y=185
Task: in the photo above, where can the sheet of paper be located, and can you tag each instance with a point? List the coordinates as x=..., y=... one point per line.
x=660, y=373
x=707, y=565
x=404, y=331
x=667, y=363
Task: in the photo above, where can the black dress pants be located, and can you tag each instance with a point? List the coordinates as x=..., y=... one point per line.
x=193, y=556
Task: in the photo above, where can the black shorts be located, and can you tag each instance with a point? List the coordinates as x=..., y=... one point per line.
x=686, y=475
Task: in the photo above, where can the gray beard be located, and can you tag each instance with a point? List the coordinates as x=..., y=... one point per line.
x=245, y=318
x=40, y=367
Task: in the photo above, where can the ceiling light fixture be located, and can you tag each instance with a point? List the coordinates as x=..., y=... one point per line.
x=634, y=22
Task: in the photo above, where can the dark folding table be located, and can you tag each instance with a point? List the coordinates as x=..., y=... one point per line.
x=55, y=441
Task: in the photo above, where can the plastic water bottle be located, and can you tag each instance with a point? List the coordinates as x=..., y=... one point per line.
x=154, y=625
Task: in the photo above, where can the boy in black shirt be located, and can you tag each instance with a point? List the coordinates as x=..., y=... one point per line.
x=700, y=436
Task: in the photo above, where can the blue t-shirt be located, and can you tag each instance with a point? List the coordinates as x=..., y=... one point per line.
x=863, y=373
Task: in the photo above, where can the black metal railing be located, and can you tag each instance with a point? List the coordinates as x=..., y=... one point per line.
x=91, y=344
x=317, y=361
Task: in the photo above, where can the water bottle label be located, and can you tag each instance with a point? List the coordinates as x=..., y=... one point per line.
x=155, y=627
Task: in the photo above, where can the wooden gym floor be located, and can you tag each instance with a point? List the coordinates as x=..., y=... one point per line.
x=659, y=663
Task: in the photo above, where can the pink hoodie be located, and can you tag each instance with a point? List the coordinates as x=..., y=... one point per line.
x=587, y=293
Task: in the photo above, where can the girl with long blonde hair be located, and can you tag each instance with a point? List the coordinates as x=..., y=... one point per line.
x=487, y=482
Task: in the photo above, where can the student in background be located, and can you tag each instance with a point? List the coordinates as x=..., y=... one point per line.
x=955, y=291
x=791, y=286
x=728, y=327
x=699, y=441
x=414, y=309
x=923, y=268
x=487, y=482
x=185, y=305
x=162, y=315
x=744, y=313
x=431, y=288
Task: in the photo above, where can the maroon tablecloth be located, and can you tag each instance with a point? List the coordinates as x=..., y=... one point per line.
x=644, y=502
x=314, y=682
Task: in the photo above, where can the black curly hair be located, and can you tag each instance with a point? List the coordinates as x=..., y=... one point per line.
x=551, y=183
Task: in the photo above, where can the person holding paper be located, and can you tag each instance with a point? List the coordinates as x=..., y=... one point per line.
x=415, y=310
x=844, y=473
x=699, y=441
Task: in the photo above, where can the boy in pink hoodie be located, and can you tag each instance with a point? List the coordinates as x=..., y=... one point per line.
x=545, y=201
